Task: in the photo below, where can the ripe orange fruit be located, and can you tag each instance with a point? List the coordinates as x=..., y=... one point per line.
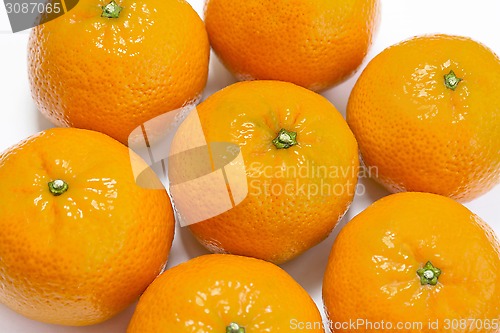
x=80, y=240
x=413, y=259
x=299, y=164
x=426, y=114
x=225, y=293
x=111, y=66
x=314, y=44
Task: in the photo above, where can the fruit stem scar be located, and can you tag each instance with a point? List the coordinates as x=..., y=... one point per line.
x=58, y=187
x=111, y=10
x=451, y=81
x=428, y=274
x=285, y=139
x=234, y=328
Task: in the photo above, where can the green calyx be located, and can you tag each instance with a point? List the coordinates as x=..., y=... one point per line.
x=285, y=139
x=111, y=10
x=58, y=187
x=428, y=274
x=234, y=328
x=451, y=81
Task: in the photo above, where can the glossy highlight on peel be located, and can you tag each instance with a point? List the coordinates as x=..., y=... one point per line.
x=223, y=293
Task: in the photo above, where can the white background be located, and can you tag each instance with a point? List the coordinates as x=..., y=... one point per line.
x=478, y=19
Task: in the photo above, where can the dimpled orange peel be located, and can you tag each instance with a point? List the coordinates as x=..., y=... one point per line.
x=300, y=169
x=314, y=44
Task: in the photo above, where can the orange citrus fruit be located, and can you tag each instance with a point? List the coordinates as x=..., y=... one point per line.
x=111, y=66
x=80, y=240
x=426, y=115
x=225, y=293
x=314, y=44
x=414, y=262
x=299, y=165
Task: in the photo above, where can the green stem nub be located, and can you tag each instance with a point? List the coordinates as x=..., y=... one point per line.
x=451, y=81
x=285, y=139
x=428, y=274
x=58, y=187
x=234, y=328
x=111, y=10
